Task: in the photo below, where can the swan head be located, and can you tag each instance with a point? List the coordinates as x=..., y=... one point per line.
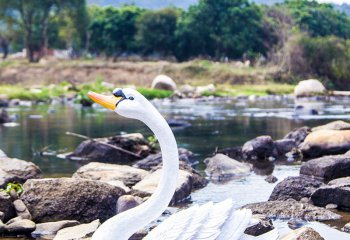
x=126, y=102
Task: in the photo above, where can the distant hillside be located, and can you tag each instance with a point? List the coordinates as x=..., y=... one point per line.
x=185, y=3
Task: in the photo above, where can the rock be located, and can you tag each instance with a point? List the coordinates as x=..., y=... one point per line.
x=221, y=167
x=198, y=181
x=13, y=194
x=111, y=172
x=271, y=179
x=15, y=170
x=65, y=198
x=327, y=168
x=346, y=228
x=284, y=146
x=292, y=209
x=153, y=160
x=21, y=226
x=6, y=206
x=2, y=227
x=336, y=125
x=178, y=123
x=309, y=88
x=148, y=185
x=163, y=82
x=2, y=216
x=294, y=188
x=325, y=142
x=337, y=193
x=304, y=233
x=93, y=150
x=21, y=209
x=4, y=117
x=235, y=153
x=259, y=148
x=4, y=101
x=78, y=232
x=298, y=135
x=51, y=228
x=127, y=202
x=200, y=90
x=331, y=206
x=264, y=225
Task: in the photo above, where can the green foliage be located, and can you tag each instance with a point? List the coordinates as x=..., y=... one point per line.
x=14, y=186
x=153, y=141
x=96, y=86
x=154, y=93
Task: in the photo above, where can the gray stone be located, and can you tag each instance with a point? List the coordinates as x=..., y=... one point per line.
x=284, y=146
x=163, y=82
x=259, y=148
x=221, y=168
x=308, y=88
x=335, y=125
x=21, y=226
x=331, y=206
x=54, y=199
x=295, y=188
x=327, y=168
x=292, y=209
x=15, y=170
x=2, y=216
x=127, y=202
x=78, y=232
x=51, y=228
x=298, y=134
x=304, y=233
x=271, y=179
x=346, y=228
x=6, y=206
x=21, y=209
x=111, y=172
x=2, y=227
x=264, y=225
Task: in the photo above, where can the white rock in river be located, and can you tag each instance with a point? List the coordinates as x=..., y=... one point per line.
x=164, y=82
x=308, y=88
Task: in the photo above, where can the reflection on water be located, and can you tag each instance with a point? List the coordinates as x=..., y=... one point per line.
x=214, y=124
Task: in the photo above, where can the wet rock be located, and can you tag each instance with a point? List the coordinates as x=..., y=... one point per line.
x=221, y=167
x=346, y=228
x=65, y=198
x=153, y=160
x=78, y=232
x=111, y=172
x=327, y=168
x=235, y=152
x=127, y=202
x=4, y=117
x=271, y=179
x=337, y=193
x=51, y=228
x=139, y=235
x=2, y=216
x=325, y=142
x=336, y=125
x=284, y=146
x=148, y=185
x=294, y=188
x=21, y=226
x=308, y=88
x=258, y=148
x=2, y=227
x=4, y=101
x=292, y=209
x=13, y=194
x=94, y=150
x=163, y=82
x=264, y=225
x=15, y=170
x=21, y=209
x=198, y=181
x=298, y=134
x=178, y=123
x=304, y=233
x=6, y=206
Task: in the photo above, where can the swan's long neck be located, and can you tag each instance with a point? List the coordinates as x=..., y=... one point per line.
x=125, y=224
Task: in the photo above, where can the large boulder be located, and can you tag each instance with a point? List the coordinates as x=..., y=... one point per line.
x=55, y=199
x=310, y=87
x=327, y=168
x=163, y=82
x=292, y=209
x=325, y=142
x=15, y=170
x=110, y=173
x=221, y=167
x=336, y=192
x=298, y=134
x=259, y=148
x=304, y=233
x=6, y=206
x=94, y=150
x=148, y=185
x=335, y=125
x=294, y=188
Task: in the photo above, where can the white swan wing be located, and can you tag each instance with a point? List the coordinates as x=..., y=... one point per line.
x=236, y=224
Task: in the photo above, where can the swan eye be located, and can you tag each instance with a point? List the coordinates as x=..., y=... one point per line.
x=131, y=98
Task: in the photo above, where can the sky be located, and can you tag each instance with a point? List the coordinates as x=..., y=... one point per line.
x=335, y=1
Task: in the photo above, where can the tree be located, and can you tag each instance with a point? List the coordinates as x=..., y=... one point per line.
x=33, y=17
x=156, y=31
x=220, y=28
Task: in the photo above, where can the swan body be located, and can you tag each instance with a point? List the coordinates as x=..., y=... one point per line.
x=209, y=221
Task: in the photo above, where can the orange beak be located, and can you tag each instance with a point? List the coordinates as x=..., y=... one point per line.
x=109, y=102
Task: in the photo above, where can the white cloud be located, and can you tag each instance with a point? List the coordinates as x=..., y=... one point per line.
x=335, y=1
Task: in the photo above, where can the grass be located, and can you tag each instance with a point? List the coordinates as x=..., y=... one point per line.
x=154, y=93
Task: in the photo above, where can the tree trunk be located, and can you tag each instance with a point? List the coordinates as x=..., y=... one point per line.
x=4, y=44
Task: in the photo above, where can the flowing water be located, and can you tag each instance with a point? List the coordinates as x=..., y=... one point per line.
x=215, y=123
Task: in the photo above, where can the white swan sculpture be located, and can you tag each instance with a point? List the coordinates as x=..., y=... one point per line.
x=210, y=221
